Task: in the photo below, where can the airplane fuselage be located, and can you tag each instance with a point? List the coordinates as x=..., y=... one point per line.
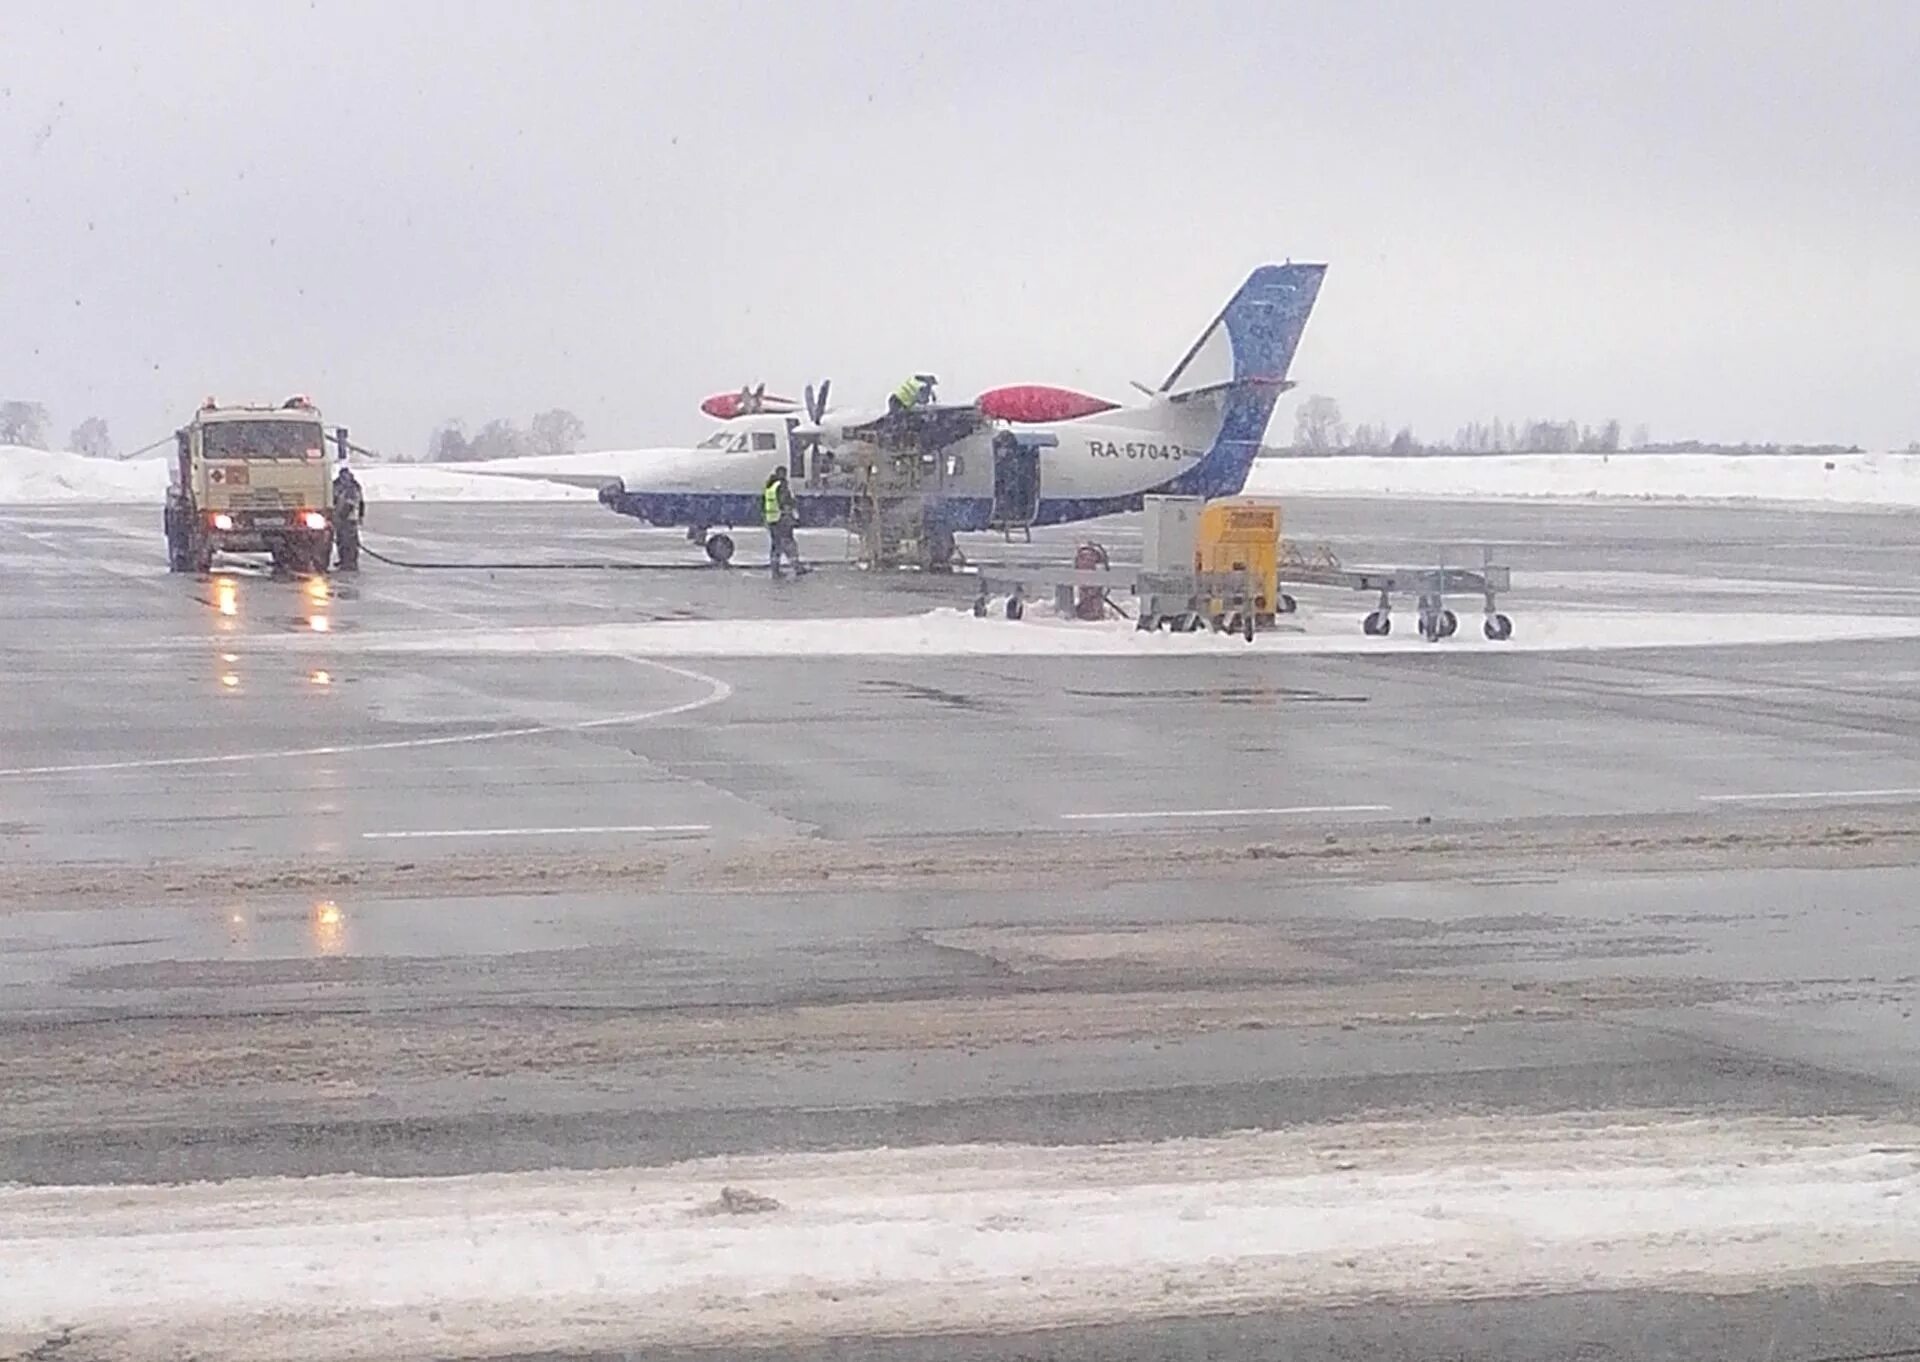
x=1088, y=467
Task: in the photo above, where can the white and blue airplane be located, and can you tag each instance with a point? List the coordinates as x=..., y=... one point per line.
x=1020, y=456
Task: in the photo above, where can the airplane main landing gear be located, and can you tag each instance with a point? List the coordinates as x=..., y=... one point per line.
x=1436, y=621
x=720, y=548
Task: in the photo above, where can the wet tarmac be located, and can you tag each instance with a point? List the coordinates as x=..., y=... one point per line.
x=147, y=718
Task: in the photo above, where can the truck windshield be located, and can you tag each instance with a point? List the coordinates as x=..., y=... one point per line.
x=261, y=440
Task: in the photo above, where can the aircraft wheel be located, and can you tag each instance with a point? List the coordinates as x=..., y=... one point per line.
x=1015, y=607
x=1287, y=604
x=1498, y=628
x=720, y=548
x=980, y=607
x=1448, y=622
x=1377, y=625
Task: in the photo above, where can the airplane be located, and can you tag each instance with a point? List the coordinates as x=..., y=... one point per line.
x=1014, y=458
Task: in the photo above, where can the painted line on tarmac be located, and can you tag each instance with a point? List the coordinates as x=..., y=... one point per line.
x=417, y=833
x=717, y=691
x=1787, y=796
x=1290, y=811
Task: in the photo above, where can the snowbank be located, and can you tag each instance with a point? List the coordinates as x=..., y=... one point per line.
x=34, y=476
x=956, y=633
x=41, y=477
x=1844, y=479
x=955, y=1237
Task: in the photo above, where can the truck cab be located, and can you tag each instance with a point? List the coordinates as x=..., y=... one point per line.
x=252, y=480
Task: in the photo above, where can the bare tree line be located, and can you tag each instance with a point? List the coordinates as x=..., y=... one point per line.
x=27, y=424
x=1320, y=428
x=555, y=431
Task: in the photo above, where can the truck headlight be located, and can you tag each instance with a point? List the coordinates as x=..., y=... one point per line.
x=314, y=520
x=222, y=521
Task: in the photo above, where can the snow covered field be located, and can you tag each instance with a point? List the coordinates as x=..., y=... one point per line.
x=31, y=476
x=956, y=633
x=958, y=1237
x=1843, y=480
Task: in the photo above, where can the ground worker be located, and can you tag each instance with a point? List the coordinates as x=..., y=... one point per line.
x=349, y=510
x=913, y=392
x=776, y=505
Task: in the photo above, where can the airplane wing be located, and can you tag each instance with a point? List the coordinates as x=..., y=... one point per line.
x=925, y=428
x=593, y=471
x=593, y=482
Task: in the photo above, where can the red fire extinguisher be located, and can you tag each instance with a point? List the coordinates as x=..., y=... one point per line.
x=1090, y=602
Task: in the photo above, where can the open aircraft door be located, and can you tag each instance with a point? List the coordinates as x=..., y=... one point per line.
x=1016, y=478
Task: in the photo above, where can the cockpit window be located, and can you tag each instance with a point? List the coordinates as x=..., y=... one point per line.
x=717, y=440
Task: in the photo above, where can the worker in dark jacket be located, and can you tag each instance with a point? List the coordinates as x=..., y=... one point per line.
x=349, y=510
x=777, y=509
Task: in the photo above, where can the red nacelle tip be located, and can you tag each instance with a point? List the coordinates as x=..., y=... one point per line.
x=1030, y=402
x=726, y=406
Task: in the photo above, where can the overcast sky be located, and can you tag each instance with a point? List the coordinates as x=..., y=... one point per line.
x=1705, y=217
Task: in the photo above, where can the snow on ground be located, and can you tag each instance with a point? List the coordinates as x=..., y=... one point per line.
x=957, y=1237
x=1843, y=479
x=32, y=476
x=41, y=477
x=956, y=633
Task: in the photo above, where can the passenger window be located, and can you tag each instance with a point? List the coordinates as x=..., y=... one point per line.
x=763, y=439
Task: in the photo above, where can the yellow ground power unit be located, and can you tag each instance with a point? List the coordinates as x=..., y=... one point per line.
x=1242, y=534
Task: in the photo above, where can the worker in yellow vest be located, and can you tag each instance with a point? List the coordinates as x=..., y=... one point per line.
x=913, y=392
x=777, y=509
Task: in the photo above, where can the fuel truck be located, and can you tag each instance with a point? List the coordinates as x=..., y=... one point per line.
x=253, y=480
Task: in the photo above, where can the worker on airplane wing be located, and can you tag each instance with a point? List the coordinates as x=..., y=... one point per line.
x=914, y=392
x=777, y=509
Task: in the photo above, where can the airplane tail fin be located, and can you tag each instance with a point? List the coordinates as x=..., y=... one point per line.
x=1255, y=335
x=1243, y=359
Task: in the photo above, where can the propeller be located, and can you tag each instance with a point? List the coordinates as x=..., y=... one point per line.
x=817, y=401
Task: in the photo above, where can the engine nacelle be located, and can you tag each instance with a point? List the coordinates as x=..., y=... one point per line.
x=726, y=406
x=1031, y=402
